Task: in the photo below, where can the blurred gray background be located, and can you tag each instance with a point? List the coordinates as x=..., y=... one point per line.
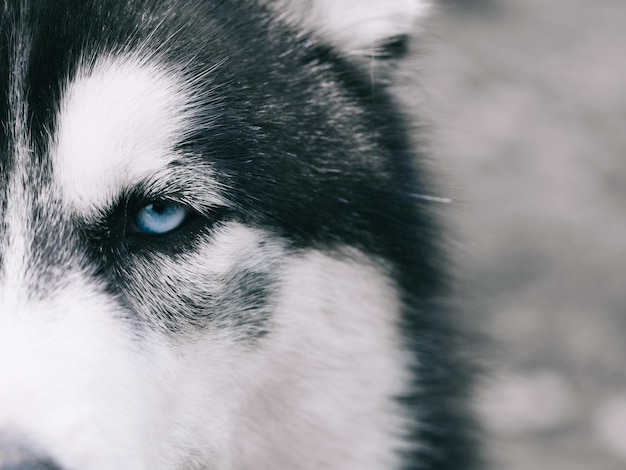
x=529, y=106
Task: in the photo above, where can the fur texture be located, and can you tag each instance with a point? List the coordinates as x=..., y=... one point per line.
x=292, y=320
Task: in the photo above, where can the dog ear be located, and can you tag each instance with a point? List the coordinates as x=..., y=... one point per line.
x=361, y=27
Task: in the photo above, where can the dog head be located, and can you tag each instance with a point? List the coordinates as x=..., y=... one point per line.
x=206, y=236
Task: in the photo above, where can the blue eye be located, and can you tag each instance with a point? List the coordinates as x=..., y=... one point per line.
x=160, y=217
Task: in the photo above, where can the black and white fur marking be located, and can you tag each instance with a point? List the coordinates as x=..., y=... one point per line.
x=292, y=319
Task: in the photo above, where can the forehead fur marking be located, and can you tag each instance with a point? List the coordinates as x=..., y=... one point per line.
x=119, y=123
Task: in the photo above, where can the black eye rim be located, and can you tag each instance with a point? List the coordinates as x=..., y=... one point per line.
x=107, y=237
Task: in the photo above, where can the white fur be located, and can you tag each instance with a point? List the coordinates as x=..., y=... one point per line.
x=355, y=25
x=332, y=370
x=74, y=380
x=118, y=125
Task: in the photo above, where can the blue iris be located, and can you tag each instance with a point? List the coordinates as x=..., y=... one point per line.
x=160, y=217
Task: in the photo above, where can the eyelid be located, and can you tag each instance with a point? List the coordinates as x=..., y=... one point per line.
x=190, y=186
x=205, y=208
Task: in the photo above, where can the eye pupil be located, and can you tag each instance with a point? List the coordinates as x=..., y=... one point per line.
x=160, y=217
x=157, y=207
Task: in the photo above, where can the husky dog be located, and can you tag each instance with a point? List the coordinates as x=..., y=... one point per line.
x=213, y=249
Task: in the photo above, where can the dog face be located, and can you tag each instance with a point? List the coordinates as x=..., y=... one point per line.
x=206, y=239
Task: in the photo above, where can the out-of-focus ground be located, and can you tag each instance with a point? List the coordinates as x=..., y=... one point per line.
x=529, y=99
